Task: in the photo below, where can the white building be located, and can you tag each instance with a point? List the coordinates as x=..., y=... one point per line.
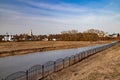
x=53, y=39
x=45, y=39
x=8, y=38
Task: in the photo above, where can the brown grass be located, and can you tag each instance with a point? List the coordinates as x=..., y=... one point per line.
x=101, y=66
x=15, y=48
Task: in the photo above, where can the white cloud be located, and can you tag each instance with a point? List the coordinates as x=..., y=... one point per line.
x=58, y=7
x=21, y=21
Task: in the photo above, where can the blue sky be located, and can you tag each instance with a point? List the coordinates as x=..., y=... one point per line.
x=54, y=16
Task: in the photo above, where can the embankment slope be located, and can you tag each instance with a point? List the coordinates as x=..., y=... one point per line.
x=104, y=65
x=17, y=48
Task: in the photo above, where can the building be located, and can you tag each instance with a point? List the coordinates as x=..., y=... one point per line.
x=54, y=39
x=45, y=39
x=31, y=34
x=8, y=38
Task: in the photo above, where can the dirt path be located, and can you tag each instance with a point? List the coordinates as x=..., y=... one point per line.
x=101, y=66
x=17, y=48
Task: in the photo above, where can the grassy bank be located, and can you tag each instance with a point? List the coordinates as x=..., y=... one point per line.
x=104, y=65
x=17, y=48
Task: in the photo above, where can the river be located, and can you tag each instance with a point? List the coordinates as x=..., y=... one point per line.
x=16, y=63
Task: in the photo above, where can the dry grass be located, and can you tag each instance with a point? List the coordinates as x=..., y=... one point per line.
x=6, y=46
x=101, y=66
x=35, y=46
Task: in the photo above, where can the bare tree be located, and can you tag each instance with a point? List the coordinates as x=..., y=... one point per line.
x=100, y=33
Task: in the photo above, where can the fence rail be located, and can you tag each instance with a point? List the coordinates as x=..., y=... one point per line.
x=38, y=72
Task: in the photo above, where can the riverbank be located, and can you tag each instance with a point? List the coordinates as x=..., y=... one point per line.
x=18, y=48
x=104, y=65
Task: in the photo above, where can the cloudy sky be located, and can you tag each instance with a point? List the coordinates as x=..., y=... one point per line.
x=54, y=16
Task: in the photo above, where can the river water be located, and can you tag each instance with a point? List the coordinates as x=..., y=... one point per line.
x=16, y=63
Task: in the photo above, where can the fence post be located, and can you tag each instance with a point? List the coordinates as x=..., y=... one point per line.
x=42, y=71
x=69, y=61
x=87, y=53
x=74, y=59
x=27, y=75
x=63, y=63
x=84, y=54
x=54, y=66
x=81, y=56
x=78, y=57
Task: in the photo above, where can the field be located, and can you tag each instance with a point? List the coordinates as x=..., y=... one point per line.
x=104, y=65
x=16, y=48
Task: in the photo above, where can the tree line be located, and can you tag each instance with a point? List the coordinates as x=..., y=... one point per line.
x=71, y=35
x=88, y=35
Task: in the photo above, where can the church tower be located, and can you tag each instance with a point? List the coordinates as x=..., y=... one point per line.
x=31, y=34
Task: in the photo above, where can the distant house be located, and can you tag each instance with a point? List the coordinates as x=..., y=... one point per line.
x=54, y=39
x=8, y=38
x=101, y=34
x=113, y=35
x=45, y=39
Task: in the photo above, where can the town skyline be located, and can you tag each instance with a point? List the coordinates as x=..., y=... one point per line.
x=53, y=17
x=30, y=32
